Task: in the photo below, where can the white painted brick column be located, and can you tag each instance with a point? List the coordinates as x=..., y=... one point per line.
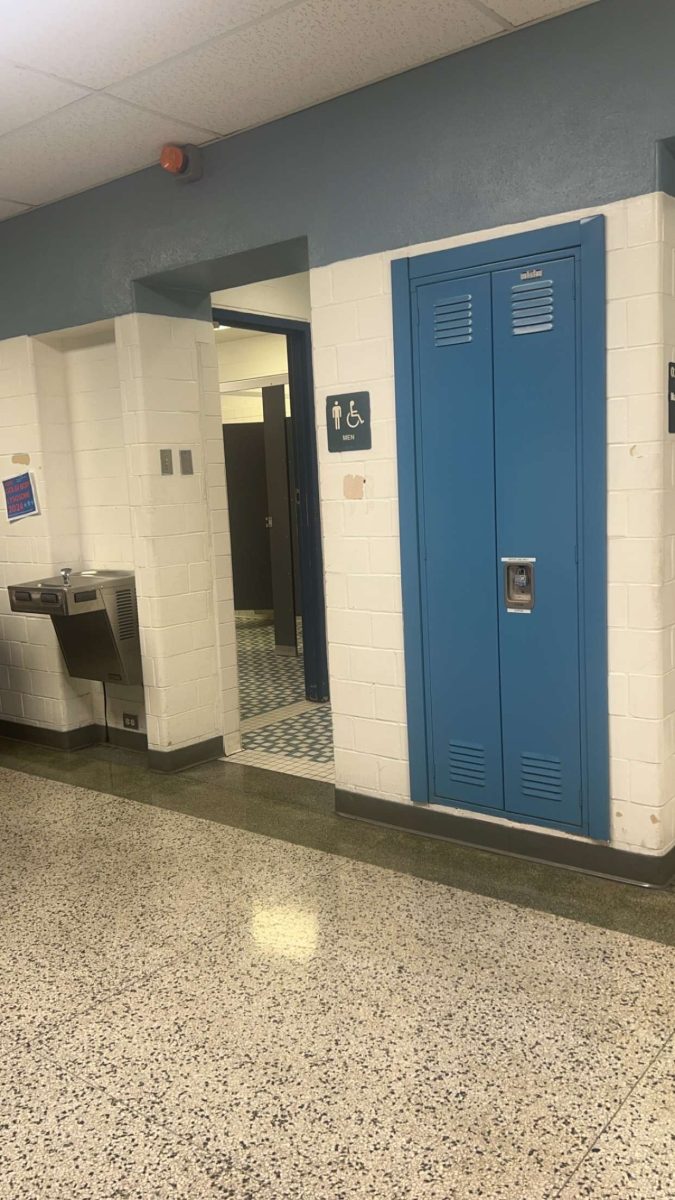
x=218, y=510
x=640, y=602
x=182, y=604
x=353, y=351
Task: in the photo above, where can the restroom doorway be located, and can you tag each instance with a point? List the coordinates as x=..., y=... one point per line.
x=269, y=442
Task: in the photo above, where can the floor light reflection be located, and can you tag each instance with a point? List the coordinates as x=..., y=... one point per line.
x=286, y=931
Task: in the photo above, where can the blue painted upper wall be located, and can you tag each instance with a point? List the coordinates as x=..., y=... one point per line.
x=558, y=116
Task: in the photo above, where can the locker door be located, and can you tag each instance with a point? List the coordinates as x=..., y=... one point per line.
x=536, y=490
x=457, y=535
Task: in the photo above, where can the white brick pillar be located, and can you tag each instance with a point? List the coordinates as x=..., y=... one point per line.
x=353, y=351
x=180, y=535
x=641, y=338
x=216, y=496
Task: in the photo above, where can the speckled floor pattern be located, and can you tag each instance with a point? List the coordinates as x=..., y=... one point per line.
x=193, y=1010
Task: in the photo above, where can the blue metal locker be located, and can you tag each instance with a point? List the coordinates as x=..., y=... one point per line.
x=497, y=420
x=456, y=488
x=535, y=405
x=501, y=444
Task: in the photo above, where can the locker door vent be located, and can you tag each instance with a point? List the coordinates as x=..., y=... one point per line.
x=532, y=307
x=125, y=614
x=453, y=322
x=467, y=763
x=540, y=777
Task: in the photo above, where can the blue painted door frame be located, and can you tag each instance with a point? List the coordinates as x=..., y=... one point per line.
x=584, y=241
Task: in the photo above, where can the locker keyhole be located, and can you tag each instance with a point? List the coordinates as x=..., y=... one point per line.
x=519, y=585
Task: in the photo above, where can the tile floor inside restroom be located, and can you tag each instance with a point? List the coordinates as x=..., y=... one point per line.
x=189, y=1009
x=281, y=730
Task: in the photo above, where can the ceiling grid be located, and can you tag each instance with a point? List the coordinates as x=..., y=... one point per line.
x=89, y=93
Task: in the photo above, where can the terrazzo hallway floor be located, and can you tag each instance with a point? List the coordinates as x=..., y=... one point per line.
x=193, y=1010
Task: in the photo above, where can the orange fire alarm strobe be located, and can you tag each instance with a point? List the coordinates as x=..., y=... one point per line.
x=173, y=159
x=183, y=162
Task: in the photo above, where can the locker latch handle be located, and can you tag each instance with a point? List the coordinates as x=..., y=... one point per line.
x=519, y=584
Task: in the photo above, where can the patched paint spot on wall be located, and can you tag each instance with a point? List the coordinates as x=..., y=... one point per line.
x=353, y=487
x=23, y=459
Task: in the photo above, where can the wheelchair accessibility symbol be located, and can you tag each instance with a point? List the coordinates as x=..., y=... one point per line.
x=348, y=422
x=354, y=418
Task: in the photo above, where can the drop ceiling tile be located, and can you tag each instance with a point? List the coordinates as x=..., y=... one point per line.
x=96, y=44
x=87, y=143
x=519, y=12
x=295, y=58
x=9, y=208
x=26, y=95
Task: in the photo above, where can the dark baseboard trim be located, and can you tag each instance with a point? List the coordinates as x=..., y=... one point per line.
x=185, y=756
x=57, y=739
x=593, y=858
x=127, y=739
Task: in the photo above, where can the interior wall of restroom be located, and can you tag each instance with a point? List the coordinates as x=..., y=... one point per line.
x=250, y=360
x=247, y=362
x=251, y=357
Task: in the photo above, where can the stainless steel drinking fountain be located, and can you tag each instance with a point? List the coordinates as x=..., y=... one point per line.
x=95, y=616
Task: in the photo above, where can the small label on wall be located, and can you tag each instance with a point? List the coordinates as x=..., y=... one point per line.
x=671, y=397
x=20, y=496
x=348, y=422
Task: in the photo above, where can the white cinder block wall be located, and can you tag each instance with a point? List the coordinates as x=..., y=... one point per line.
x=97, y=438
x=170, y=399
x=641, y=610
x=89, y=363
x=353, y=350
x=87, y=412
x=35, y=436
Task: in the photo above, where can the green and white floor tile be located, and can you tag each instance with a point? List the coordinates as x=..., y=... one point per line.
x=281, y=730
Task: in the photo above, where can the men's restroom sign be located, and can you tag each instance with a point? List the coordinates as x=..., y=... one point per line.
x=20, y=496
x=348, y=422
